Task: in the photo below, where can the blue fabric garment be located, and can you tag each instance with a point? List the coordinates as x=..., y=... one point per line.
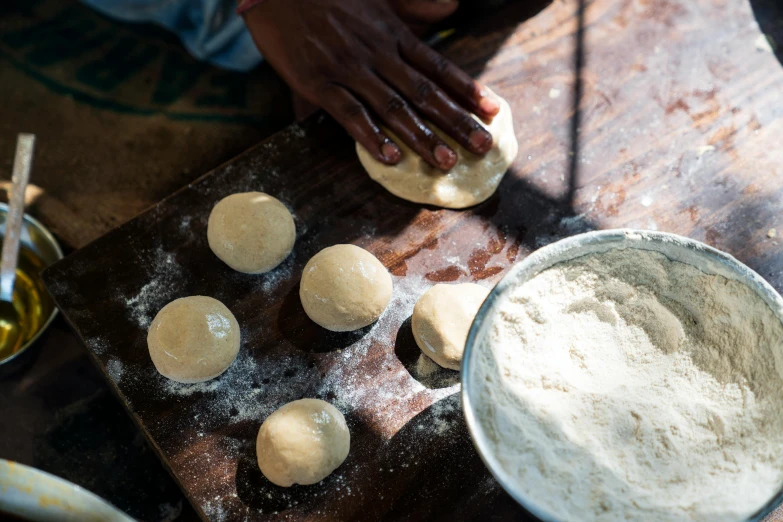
x=209, y=29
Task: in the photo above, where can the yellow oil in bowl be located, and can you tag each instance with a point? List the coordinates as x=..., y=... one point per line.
x=32, y=304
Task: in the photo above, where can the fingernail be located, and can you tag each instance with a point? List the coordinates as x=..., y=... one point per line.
x=445, y=157
x=391, y=152
x=480, y=140
x=488, y=104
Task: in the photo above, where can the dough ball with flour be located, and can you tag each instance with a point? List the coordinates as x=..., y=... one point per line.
x=472, y=180
x=193, y=339
x=302, y=443
x=344, y=288
x=442, y=318
x=251, y=232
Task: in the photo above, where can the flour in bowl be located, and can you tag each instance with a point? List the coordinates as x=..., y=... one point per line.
x=625, y=386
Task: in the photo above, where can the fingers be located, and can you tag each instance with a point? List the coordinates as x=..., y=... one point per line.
x=466, y=91
x=355, y=119
x=395, y=112
x=437, y=107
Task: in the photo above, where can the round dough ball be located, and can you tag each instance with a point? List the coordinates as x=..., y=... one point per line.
x=344, y=288
x=251, y=232
x=302, y=443
x=472, y=180
x=193, y=339
x=442, y=318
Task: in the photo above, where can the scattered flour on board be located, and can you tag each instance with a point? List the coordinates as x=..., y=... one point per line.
x=248, y=390
x=151, y=297
x=98, y=345
x=252, y=387
x=444, y=414
x=115, y=369
x=456, y=262
x=406, y=291
x=281, y=274
x=140, y=303
x=214, y=510
x=354, y=390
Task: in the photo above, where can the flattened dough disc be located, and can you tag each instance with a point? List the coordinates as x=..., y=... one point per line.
x=472, y=180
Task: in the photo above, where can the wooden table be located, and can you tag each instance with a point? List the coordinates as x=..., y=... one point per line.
x=678, y=128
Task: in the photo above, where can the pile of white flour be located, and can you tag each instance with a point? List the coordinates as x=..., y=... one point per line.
x=627, y=386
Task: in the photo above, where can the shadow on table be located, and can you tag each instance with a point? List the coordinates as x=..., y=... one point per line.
x=419, y=366
x=499, y=20
x=442, y=487
x=531, y=217
x=261, y=495
x=62, y=418
x=386, y=480
x=769, y=15
x=93, y=443
x=305, y=334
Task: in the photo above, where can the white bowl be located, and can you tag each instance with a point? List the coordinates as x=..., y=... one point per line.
x=676, y=248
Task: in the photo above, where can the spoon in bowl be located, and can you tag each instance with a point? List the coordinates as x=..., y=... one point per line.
x=11, y=338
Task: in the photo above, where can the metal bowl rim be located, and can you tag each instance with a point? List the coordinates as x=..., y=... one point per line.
x=532, y=264
x=53, y=242
x=76, y=493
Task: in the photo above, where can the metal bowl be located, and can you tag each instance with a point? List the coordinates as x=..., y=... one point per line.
x=36, y=238
x=676, y=248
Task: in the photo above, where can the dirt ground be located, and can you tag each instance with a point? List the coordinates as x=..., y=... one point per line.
x=123, y=115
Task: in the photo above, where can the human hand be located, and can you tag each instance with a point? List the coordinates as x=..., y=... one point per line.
x=359, y=61
x=423, y=12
